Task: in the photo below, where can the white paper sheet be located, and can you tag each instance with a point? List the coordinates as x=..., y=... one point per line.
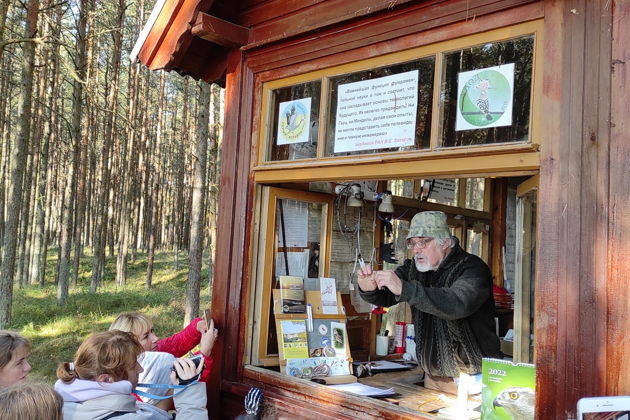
x=328, y=289
x=377, y=113
x=295, y=224
x=366, y=390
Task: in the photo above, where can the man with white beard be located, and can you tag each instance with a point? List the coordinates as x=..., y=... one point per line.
x=450, y=294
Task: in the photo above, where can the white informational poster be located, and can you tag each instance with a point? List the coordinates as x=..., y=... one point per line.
x=295, y=224
x=444, y=191
x=328, y=288
x=294, y=121
x=377, y=113
x=485, y=97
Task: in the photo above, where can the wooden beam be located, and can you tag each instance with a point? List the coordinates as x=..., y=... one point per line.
x=376, y=168
x=228, y=307
x=528, y=185
x=497, y=232
x=219, y=31
x=428, y=206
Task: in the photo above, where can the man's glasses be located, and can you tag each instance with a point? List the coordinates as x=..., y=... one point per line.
x=420, y=243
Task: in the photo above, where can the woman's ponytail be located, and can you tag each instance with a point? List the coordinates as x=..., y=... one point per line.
x=66, y=372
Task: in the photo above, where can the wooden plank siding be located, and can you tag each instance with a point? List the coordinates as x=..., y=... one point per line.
x=617, y=295
x=571, y=302
x=395, y=32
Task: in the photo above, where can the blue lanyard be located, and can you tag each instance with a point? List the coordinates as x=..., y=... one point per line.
x=161, y=386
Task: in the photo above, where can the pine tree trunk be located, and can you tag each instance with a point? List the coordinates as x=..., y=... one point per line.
x=70, y=188
x=198, y=205
x=100, y=221
x=25, y=217
x=18, y=160
x=213, y=174
x=77, y=241
x=155, y=173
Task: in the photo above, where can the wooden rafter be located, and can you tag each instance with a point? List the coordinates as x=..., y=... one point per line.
x=219, y=31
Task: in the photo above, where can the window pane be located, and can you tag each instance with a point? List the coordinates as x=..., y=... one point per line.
x=474, y=242
x=401, y=187
x=298, y=238
x=295, y=121
x=373, y=120
x=475, y=193
x=441, y=191
x=485, y=96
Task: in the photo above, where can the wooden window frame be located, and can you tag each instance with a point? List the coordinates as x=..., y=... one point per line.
x=262, y=265
x=486, y=154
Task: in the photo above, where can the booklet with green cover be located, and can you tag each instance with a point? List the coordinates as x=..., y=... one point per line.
x=508, y=390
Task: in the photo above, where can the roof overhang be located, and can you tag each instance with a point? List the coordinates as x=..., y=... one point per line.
x=193, y=37
x=179, y=36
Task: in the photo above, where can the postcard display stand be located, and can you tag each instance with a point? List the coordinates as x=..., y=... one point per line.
x=316, y=351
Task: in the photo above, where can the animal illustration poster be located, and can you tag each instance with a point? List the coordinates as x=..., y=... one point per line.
x=485, y=98
x=320, y=342
x=338, y=337
x=294, y=121
x=508, y=390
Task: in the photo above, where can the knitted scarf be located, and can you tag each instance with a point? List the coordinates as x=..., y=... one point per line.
x=437, y=348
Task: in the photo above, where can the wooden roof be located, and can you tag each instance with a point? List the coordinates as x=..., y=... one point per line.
x=193, y=37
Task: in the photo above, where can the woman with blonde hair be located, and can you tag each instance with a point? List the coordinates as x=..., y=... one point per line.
x=14, y=366
x=105, y=371
x=179, y=344
x=30, y=401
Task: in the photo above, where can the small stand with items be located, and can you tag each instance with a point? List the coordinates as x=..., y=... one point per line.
x=312, y=344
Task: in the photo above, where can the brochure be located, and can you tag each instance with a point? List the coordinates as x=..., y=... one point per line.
x=294, y=344
x=328, y=288
x=292, y=294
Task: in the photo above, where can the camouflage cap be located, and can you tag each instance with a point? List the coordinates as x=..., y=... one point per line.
x=430, y=224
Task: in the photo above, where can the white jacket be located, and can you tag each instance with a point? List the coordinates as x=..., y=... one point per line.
x=91, y=400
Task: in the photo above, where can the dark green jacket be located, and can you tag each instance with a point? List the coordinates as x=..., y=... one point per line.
x=453, y=312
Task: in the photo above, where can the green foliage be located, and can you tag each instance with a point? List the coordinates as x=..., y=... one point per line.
x=56, y=331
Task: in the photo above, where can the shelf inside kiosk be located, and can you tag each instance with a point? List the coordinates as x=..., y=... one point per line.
x=315, y=324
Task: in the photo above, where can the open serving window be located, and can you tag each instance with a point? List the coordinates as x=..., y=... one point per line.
x=348, y=155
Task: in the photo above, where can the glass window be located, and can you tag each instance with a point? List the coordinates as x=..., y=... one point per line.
x=295, y=121
x=374, y=109
x=486, y=93
x=440, y=191
x=474, y=242
x=299, y=233
x=402, y=188
x=475, y=193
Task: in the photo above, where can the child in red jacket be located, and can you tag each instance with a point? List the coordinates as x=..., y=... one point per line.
x=196, y=333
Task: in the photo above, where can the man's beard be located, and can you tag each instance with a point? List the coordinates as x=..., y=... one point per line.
x=423, y=267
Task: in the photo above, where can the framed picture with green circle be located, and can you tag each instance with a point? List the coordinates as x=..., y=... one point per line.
x=484, y=98
x=486, y=93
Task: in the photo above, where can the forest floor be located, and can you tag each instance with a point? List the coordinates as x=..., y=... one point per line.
x=56, y=331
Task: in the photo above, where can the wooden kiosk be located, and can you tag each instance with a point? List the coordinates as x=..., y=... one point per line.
x=551, y=184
